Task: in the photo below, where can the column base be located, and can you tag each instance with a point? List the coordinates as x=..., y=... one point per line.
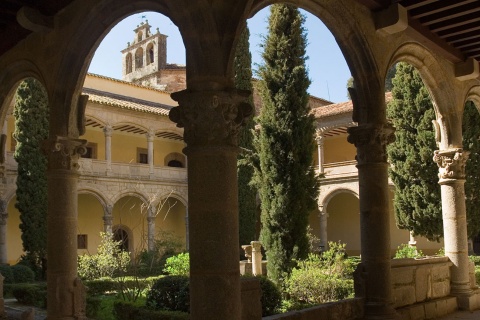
x=380, y=312
x=468, y=301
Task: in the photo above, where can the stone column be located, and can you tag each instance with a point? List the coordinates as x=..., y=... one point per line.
x=3, y=231
x=108, y=219
x=319, y=138
x=212, y=120
x=256, y=258
x=150, y=137
x=451, y=175
x=371, y=141
x=66, y=294
x=187, y=231
x=108, y=148
x=151, y=228
x=323, y=229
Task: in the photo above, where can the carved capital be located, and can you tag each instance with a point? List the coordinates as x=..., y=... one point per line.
x=319, y=137
x=371, y=141
x=211, y=118
x=108, y=130
x=451, y=163
x=63, y=153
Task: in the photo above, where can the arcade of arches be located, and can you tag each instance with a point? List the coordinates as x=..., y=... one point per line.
x=54, y=41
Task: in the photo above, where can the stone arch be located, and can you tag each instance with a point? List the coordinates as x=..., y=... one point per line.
x=435, y=77
x=96, y=193
x=150, y=53
x=131, y=193
x=474, y=96
x=173, y=194
x=175, y=159
x=325, y=200
x=139, y=58
x=95, y=118
x=142, y=129
x=128, y=63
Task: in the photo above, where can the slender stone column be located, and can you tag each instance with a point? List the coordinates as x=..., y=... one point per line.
x=256, y=258
x=323, y=215
x=319, y=138
x=451, y=175
x=3, y=231
x=212, y=120
x=108, y=219
x=66, y=293
x=150, y=137
x=371, y=141
x=108, y=148
x=151, y=228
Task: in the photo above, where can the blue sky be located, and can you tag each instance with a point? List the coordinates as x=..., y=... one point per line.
x=327, y=67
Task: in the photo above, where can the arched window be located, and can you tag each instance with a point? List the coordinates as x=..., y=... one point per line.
x=128, y=63
x=140, y=36
x=121, y=235
x=138, y=58
x=175, y=159
x=175, y=163
x=150, y=54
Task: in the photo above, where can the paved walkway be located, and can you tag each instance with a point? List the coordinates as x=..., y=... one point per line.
x=462, y=315
x=14, y=310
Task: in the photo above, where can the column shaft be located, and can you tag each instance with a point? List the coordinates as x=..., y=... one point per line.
x=323, y=230
x=3, y=232
x=319, y=138
x=150, y=137
x=108, y=219
x=108, y=147
x=151, y=229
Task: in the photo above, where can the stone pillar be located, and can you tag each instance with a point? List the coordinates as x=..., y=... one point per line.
x=150, y=137
x=212, y=120
x=66, y=294
x=108, y=219
x=151, y=228
x=187, y=231
x=451, y=175
x=256, y=258
x=371, y=141
x=3, y=231
x=108, y=148
x=323, y=215
x=319, y=139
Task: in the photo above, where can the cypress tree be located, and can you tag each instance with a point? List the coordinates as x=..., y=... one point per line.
x=246, y=192
x=417, y=200
x=284, y=143
x=31, y=129
x=471, y=143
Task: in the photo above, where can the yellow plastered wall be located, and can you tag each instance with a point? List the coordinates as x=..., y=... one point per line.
x=163, y=147
x=90, y=221
x=124, y=146
x=14, y=237
x=338, y=149
x=96, y=135
x=171, y=218
x=131, y=212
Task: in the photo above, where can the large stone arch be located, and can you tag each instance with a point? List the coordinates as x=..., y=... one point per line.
x=473, y=94
x=96, y=193
x=131, y=193
x=173, y=194
x=337, y=191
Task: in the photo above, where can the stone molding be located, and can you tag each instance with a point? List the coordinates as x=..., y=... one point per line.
x=63, y=153
x=211, y=118
x=451, y=163
x=371, y=141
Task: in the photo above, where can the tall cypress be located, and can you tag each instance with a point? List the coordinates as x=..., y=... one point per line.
x=285, y=143
x=471, y=143
x=246, y=192
x=417, y=200
x=31, y=129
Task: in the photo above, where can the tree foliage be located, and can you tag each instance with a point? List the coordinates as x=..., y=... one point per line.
x=31, y=129
x=284, y=144
x=417, y=200
x=471, y=143
x=246, y=192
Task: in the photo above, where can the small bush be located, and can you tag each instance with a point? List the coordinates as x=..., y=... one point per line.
x=271, y=297
x=93, y=307
x=128, y=311
x=7, y=274
x=107, y=285
x=170, y=293
x=475, y=260
x=31, y=294
x=406, y=251
x=22, y=274
x=178, y=265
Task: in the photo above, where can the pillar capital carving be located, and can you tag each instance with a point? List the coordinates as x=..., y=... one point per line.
x=108, y=130
x=211, y=118
x=451, y=163
x=150, y=136
x=319, y=137
x=371, y=141
x=63, y=152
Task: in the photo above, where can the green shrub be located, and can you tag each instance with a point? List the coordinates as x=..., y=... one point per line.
x=178, y=265
x=7, y=274
x=170, y=293
x=271, y=297
x=93, y=307
x=475, y=259
x=22, y=274
x=406, y=251
x=477, y=274
x=107, y=285
x=31, y=294
x=128, y=311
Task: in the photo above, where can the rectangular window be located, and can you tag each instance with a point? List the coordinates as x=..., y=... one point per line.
x=82, y=241
x=142, y=155
x=91, y=151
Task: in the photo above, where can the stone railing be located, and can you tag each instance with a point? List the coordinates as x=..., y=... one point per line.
x=98, y=168
x=340, y=169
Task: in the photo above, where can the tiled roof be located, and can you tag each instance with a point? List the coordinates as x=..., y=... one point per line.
x=116, y=100
x=126, y=82
x=339, y=108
